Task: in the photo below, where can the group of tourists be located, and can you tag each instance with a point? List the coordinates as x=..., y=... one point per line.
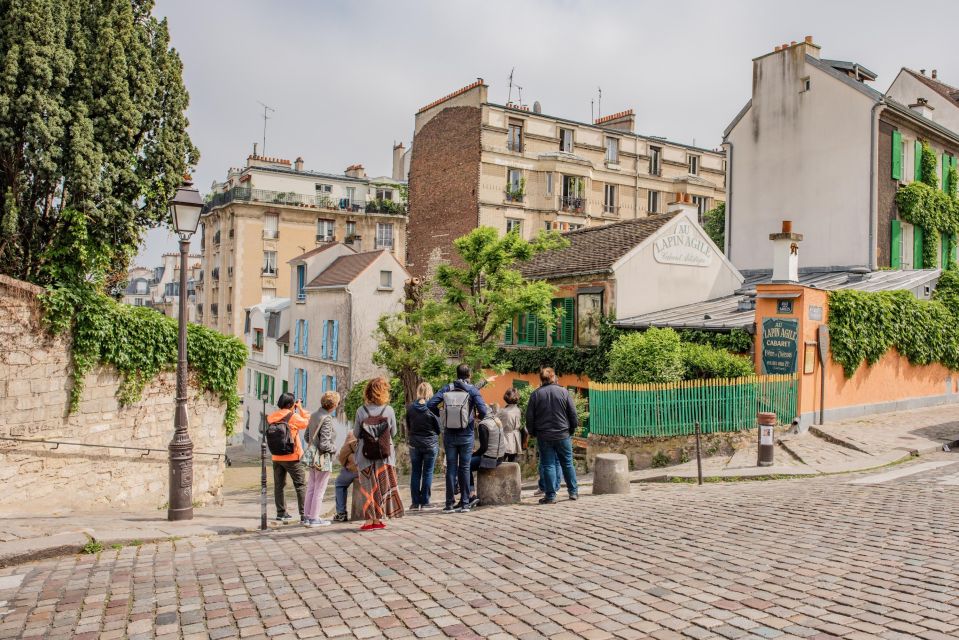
x=302, y=447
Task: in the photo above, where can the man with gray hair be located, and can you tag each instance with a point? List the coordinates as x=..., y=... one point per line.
x=551, y=419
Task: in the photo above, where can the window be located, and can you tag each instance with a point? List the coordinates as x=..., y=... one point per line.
x=258, y=339
x=300, y=282
x=655, y=161
x=350, y=229
x=384, y=235
x=271, y=226
x=566, y=140
x=574, y=188
x=652, y=202
x=528, y=330
x=301, y=337
x=138, y=302
x=564, y=330
x=384, y=194
x=609, y=199
x=514, y=224
x=324, y=188
x=514, y=138
x=141, y=286
x=246, y=322
x=350, y=195
x=549, y=184
x=324, y=230
x=612, y=150
x=329, y=383
x=273, y=325
x=514, y=185
x=702, y=206
x=330, y=344
x=804, y=84
x=573, y=226
x=693, y=162
x=386, y=279
x=269, y=263
x=300, y=379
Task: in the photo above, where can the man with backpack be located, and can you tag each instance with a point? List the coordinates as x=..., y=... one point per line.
x=458, y=404
x=282, y=438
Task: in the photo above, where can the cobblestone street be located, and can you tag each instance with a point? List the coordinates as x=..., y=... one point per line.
x=867, y=556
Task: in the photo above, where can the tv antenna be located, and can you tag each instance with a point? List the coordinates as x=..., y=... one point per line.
x=266, y=111
x=599, y=104
x=520, y=89
x=509, y=94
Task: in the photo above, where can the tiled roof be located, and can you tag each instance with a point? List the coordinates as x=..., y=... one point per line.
x=472, y=85
x=594, y=249
x=948, y=92
x=284, y=339
x=313, y=252
x=345, y=269
x=613, y=116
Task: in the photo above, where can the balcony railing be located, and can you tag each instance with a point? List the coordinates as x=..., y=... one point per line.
x=573, y=203
x=248, y=194
x=513, y=196
x=611, y=209
x=271, y=234
x=269, y=272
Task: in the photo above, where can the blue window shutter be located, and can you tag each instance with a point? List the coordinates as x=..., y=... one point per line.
x=296, y=340
x=333, y=383
x=326, y=330
x=296, y=383
x=323, y=388
x=306, y=377
x=305, y=342
x=335, y=344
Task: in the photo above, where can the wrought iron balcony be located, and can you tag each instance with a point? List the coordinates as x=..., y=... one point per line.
x=575, y=204
x=289, y=198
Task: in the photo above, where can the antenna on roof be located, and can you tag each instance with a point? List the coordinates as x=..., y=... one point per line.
x=599, y=104
x=509, y=94
x=592, y=116
x=266, y=117
x=520, y=89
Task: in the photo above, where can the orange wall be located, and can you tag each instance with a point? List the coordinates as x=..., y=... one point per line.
x=493, y=392
x=891, y=379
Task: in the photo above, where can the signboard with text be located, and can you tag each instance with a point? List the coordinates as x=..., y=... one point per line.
x=683, y=245
x=780, y=345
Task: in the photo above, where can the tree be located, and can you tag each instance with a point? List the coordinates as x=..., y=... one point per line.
x=714, y=224
x=93, y=139
x=480, y=298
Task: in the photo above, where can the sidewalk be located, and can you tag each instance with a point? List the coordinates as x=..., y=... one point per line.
x=842, y=447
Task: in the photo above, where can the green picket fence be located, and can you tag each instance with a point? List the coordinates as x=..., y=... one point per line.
x=650, y=410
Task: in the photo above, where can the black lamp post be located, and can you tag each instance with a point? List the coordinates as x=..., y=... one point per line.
x=185, y=211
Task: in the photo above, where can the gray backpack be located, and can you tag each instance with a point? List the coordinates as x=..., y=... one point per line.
x=455, y=412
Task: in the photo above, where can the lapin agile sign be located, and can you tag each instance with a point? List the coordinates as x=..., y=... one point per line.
x=780, y=345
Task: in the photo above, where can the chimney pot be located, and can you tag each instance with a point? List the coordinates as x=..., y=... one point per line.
x=784, y=46
x=792, y=44
x=787, y=226
x=808, y=40
x=935, y=73
x=298, y=164
x=922, y=71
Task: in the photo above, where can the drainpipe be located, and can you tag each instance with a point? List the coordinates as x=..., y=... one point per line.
x=349, y=335
x=729, y=200
x=873, y=213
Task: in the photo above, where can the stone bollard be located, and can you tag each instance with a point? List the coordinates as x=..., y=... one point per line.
x=501, y=485
x=356, y=502
x=610, y=474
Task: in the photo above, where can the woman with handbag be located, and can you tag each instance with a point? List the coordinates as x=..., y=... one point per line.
x=318, y=458
x=374, y=429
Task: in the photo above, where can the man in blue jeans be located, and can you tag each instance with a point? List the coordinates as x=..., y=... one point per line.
x=461, y=405
x=551, y=419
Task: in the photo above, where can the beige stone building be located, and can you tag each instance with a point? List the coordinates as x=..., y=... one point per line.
x=510, y=167
x=271, y=210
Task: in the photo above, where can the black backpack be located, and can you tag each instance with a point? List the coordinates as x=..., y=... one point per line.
x=279, y=438
x=375, y=437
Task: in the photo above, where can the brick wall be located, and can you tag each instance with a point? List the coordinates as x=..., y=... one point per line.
x=34, y=398
x=444, y=177
x=887, y=211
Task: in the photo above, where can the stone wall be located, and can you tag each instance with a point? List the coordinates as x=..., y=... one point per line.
x=35, y=387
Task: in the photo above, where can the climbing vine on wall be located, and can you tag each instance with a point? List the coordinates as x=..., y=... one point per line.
x=141, y=343
x=864, y=325
x=936, y=212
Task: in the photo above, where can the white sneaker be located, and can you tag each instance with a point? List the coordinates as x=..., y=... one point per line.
x=318, y=523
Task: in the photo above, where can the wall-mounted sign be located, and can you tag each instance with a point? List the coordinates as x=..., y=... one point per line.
x=784, y=307
x=684, y=246
x=589, y=316
x=780, y=345
x=815, y=312
x=766, y=435
x=809, y=357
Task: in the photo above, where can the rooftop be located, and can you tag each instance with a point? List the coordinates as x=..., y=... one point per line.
x=345, y=269
x=593, y=249
x=313, y=252
x=946, y=91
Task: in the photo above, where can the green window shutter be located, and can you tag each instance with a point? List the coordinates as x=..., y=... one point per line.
x=917, y=161
x=556, y=335
x=944, y=249
x=945, y=172
x=569, y=320
x=917, y=239
x=540, y=332
x=895, y=245
x=896, y=155
x=508, y=336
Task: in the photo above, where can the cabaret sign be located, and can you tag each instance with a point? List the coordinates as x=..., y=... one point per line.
x=684, y=246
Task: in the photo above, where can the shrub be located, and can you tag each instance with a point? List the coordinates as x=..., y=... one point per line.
x=660, y=460
x=702, y=361
x=649, y=357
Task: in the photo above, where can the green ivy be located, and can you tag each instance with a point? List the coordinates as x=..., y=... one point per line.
x=863, y=325
x=736, y=341
x=936, y=212
x=141, y=343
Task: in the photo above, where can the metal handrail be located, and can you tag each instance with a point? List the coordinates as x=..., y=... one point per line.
x=148, y=450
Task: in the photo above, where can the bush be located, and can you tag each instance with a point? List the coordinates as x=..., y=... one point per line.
x=702, y=361
x=652, y=356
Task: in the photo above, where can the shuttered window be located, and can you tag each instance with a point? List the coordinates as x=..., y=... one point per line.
x=531, y=332
x=508, y=335
x=895, y=245
x=917, y=238
x=896, y=155
x=564, y=331
x=917, y=160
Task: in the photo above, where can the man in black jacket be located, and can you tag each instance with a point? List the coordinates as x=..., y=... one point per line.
x=551, y=419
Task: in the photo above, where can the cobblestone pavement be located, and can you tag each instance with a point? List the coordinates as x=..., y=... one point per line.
x=808, y=558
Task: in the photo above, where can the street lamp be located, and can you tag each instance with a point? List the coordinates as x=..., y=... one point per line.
x=185, y=213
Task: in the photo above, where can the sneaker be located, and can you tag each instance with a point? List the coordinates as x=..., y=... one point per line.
x=464, y=509
x=414, y=507
x=474, y=502
x=547, y=500
x=318, y=523
x=379, y=525
x=428, y=507
x=307, y=522
x=284, y=518
x=368, y=527
x=340, y=517
x=574, y=496
x=449, y=509
x=537, y=493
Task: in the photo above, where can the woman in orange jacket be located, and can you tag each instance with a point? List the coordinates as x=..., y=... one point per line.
x=292, y=412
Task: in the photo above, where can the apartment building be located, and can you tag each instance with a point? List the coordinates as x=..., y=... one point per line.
x=339, y=297
x=515, y=168
x=271, y=210
x=266, y=328
x=159, y=287
x=816, y=144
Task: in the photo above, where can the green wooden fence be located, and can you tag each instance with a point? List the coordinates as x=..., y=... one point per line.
x=651, y=410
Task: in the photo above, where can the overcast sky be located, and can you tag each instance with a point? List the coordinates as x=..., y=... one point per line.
x=346, y=78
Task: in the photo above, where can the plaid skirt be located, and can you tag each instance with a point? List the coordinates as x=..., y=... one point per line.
x=380, y=492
